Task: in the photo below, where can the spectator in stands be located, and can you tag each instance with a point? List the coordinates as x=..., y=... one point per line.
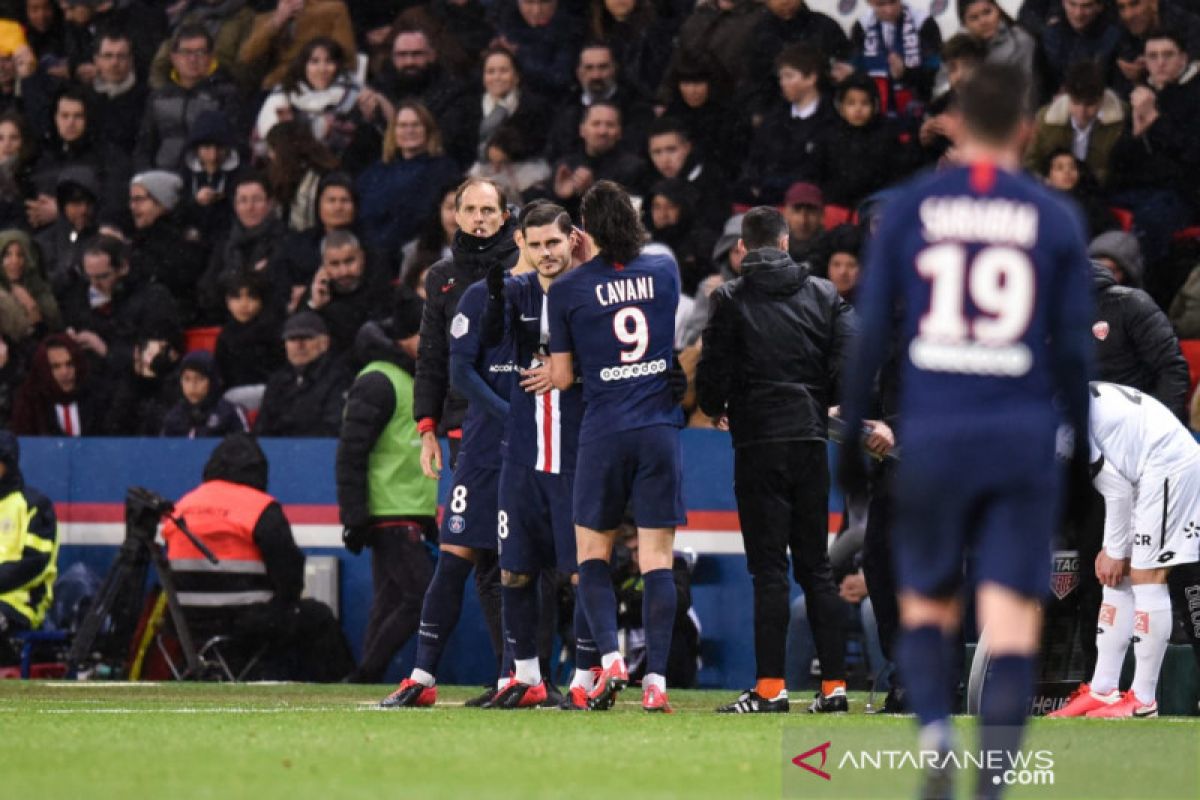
x=1184, y=314
x=640, y=40
x=385, y=502
x=717, y=31
x=960, y=56
x=29, y=555
x=115, y=306
x=697, y=100
x=598, y=155
x=671, y=220
x=509, y=162
x=348, y=290
x=305, y=398
x=1140, y=18
x=1066, y=173
x=507, y=103
x=413, y=74
x=249, y=345
x=296, y=163
x=201, y=411
x=786, y=147
x=145, y=390
x=197, y=84
x=432, y=243
x=787, y=24
x=1156, y=163
x=210, y=167
x=62, y=242
x=459, y=30
x=596, y=79
x=845, y=254
x=22, y=277
x=45, y=32
x=160, y=251
x=255, y=236
x=117, y=97
x=1087, y=119
x=986, y=22
x=58, y=397
x=804, y=210
x=1085, y=32
x=75, y=144
x=399, y=189
x=278, y=35
x=898, y=46
x=545, y=37
x=228, y=22
x=16, y=169
x=85, y=18
x=672, y=156
x=321, y=90
x=861, y=152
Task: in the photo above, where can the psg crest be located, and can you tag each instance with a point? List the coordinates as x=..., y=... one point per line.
x=1100, y=330
x=1064, y=577
x=457, y=524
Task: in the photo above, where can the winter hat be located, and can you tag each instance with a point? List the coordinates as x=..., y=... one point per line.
x=12, y=37
x=163, y=186
x=200, y=361
x=1122, y=248
x=211, y=127
x=729, y=237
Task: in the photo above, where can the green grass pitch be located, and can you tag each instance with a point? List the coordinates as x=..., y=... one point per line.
x=90, y=740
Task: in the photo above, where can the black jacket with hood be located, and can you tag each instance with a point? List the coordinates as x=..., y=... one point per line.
x=444, y=286
x=773, y=351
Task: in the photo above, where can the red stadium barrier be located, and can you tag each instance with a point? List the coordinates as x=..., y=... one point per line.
x=201, y=339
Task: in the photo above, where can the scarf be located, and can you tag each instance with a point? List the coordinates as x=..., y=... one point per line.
x=905, y=40
x=112, y=90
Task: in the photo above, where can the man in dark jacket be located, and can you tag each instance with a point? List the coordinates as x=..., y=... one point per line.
x=305, y=398
x=348, y=290
x=769, y=372
x=160, y=251
x=484, y=238
x=384, y=500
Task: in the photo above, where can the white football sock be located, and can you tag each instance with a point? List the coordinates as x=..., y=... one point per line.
x=585, y=679
x=529, y=672
x=654, y=679
x=1151, y=633
x=1113, y=630
x=422, y=677
x=608, y=659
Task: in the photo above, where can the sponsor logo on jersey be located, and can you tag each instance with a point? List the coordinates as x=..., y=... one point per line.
x=633, y=370
x=1100, y=330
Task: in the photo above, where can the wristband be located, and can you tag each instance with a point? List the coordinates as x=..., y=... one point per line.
x=426, y=425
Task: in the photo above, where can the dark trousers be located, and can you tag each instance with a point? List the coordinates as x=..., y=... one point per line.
x=1089, y=540
x=877, y=559
x=400, y=572
x=782, y=491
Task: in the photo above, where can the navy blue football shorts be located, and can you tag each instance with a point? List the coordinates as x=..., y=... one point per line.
x=976, y=509
x=535, y=527
x=639, y=470
x=469, y=515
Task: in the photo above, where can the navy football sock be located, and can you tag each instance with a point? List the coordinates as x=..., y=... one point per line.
x=658, y=618
x=1003, y=709
x=439, y=612
x=520, y=620
x=586, y=655
x=922, y=655
x=599, y=603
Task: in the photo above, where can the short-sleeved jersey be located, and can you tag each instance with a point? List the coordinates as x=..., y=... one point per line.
x=483, y=434
x=543, y=430
x=1136, y=435
x=619, y=321
x=990, y=274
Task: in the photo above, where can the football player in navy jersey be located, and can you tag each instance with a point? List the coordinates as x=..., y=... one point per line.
x=613, y=317
x=990, y=272
x=534, y=524
x=484, y=376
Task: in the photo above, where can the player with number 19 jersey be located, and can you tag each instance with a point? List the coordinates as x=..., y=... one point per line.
x=619, y=322
x=991, y=275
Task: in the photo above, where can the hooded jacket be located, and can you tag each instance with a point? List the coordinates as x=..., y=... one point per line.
x=1054, y=130
x=34, y=280
x=773, y=351
x=1136, y=345
x=28, y=540
x=444, y=287
x=172, y=110
x=213, y=415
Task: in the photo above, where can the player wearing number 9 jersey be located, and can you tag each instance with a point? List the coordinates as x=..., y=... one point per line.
x=990, y=277
x=614, y=317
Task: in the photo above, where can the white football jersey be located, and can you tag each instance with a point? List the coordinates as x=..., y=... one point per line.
x=1136, y=434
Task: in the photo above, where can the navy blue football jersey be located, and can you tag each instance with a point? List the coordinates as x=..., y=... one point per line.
x=543, y=430
x=989, y=276
x=619, y=321
x=483, y=434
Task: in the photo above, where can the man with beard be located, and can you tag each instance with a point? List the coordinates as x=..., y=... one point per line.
x=597, y=156
x=305, y=397
x=346, y=292
x=596, y=79
x=413, y=73
x=468, y=541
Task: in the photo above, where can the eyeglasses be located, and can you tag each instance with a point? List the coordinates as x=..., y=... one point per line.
x=192, y=52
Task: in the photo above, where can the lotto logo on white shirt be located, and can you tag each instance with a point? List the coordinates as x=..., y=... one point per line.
x=633, y=370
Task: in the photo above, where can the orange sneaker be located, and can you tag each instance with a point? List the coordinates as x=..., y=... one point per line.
x=519, y=695
x=410, y=694
x=608, y=684
x=575, y=699
x=1127, y=706
x=1083, y=700
x=655, y=700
